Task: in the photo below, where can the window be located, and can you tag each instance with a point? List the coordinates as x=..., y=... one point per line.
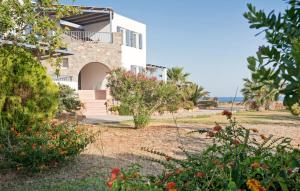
x=131, y=38
x=65, y=63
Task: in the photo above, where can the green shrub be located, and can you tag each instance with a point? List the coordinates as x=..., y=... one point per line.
x=41, y=145
x=237, y=159
x=141, y=94
x=25, y=88
x=123, y=109
x=68, y=100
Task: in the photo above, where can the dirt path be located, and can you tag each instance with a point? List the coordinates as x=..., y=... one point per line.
x=120, y=147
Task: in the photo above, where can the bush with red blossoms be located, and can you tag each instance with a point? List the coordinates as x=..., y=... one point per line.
x=237, y=159
x=141, y=95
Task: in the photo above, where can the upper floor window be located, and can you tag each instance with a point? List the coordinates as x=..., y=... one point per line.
x=131, y=38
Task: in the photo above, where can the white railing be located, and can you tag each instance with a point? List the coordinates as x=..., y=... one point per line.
x=63, y=78
x=88, y=36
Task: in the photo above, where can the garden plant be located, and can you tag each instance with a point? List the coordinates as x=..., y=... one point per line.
x=277, y=65
x=141, y=95
x=237, y=159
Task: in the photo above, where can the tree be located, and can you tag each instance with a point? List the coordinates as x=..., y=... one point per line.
x=177, y=75
x=27, y=94
x=194, y=93
x=142, y=95
x=23, y=22
x=278, y=61
x=259, y=95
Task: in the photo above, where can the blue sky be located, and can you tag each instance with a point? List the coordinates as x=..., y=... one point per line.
x=210, y=39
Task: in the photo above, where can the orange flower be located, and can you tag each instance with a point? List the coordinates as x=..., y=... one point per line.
x=200, y=174
x=78, y=131
x=254, y=185
x=179, y=171
x=171, y=185
x=255, y=165
x=227, y=113
x=33, y=146
x=110, y=183
x=236, y=142
x=217, y=128
x=254, y=130
x=263, y=137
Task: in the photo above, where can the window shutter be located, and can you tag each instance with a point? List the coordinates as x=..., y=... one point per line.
x=140, y=41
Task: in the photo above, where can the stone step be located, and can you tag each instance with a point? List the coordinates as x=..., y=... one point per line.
x=94, y=107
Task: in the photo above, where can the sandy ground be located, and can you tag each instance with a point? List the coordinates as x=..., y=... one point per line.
x=121, y=146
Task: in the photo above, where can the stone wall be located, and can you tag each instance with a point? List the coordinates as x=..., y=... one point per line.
x=108, y=54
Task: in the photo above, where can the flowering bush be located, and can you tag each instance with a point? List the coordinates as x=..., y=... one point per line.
x=237, y=159
x=41, y=146
x=141, y=94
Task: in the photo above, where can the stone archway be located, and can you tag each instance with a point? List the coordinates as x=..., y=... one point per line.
x=93, y=76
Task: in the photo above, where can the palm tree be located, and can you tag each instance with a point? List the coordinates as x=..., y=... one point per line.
x=177, y=75
x=261, y=95
x=195, y=93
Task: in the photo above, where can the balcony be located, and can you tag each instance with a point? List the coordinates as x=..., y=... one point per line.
x=88, y=36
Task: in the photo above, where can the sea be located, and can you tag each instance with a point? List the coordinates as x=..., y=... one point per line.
x=230, y=99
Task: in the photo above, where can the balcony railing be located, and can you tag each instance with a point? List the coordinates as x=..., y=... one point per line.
x=88, y=36
x=63, y=78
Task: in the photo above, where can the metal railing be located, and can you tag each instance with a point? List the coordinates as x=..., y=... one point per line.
x=88, y=36
x=63, y=78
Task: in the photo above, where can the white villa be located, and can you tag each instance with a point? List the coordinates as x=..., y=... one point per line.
x=98, y=41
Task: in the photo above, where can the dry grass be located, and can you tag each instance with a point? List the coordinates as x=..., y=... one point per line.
x=119, y=145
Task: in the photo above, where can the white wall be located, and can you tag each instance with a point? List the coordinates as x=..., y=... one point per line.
x=131, y=55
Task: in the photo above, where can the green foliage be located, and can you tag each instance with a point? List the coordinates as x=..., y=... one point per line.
x=189, y=92
x=279, y=61
x=27, y=94
x=39, y=146
x=259, y=94
x=237, y=159
x=68, y=100
x=194, y=93
x=141, y=94
x=177, y=76
x=34, y=24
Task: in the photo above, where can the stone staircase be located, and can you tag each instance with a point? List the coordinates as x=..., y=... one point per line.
x=93, y=105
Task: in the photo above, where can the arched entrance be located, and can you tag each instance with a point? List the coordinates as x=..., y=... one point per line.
x=93, y=76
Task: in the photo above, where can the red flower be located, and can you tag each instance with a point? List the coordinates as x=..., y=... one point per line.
x=115, y=171
x=227, y=113
x=200, y=174
x=171, y=185
x=217, y=128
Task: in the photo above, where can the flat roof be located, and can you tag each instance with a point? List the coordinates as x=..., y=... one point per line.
x=89, y=15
